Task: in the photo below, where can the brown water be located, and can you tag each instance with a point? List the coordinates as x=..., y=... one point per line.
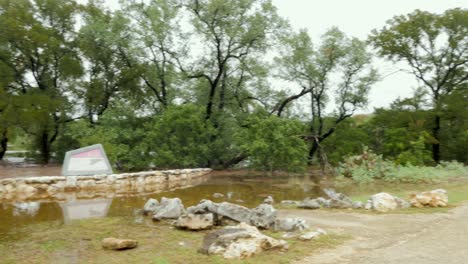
x=14, y=167
x=247, y=190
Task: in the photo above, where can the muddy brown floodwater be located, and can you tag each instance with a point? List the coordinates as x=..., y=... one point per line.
x=246, y=189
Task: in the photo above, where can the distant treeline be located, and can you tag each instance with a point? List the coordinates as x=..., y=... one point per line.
x=213, y=83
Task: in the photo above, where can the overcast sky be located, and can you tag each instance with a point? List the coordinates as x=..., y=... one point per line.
x=357, y=18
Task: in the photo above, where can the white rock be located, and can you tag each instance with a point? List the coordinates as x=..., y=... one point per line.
x=434, y=198
x=195, y=221
x=169, y=209
x=239, y=242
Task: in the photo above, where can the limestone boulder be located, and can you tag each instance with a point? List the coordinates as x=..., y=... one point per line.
x=118, y=244
x=384, y=202
x=290, y=224
x=240, y=241
x=263, y=216
x=338, y=200
x=195, y=221
x=435, y=198
x=150, y=206
x=169, y=208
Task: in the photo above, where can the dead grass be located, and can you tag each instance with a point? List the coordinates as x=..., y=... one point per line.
x=159, y=243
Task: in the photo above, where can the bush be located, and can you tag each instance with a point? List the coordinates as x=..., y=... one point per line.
x=179, y=138
x=273, y=143
x=368, y=166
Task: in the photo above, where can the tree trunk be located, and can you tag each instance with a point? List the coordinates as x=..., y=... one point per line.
x=45, y=149
x=3, y=143
x=313, y=150
x=436, y=144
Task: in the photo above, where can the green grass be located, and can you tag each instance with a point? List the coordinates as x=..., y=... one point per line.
x=80, y=242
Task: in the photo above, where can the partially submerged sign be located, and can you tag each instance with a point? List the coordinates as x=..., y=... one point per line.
x=89, y=160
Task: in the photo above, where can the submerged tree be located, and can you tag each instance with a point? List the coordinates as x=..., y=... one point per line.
x=340, y=66
x=435, y=46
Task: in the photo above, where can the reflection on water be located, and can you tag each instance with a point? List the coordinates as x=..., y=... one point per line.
x=30, y=208
x=85, y=209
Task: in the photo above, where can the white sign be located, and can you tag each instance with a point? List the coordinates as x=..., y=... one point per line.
x=89, y=160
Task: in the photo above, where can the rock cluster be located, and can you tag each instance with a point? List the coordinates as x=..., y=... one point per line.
x=262, y=216
x=435, y=198
x=240, y=241
x=336, y=200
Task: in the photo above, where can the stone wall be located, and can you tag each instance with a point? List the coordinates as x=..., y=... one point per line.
x=61, y=187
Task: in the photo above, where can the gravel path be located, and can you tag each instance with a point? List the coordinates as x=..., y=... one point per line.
x=440, y=238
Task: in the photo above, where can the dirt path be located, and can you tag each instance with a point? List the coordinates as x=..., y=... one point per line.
x=440, y=238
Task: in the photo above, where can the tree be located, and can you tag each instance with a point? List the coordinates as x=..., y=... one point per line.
x=107, y=76
x=40, y=38
x=435, y=46
x=274, y=143
x=339, y=58
x=154, y=49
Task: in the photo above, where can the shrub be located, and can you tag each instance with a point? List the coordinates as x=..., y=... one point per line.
x=273, y=143
x=368, y=166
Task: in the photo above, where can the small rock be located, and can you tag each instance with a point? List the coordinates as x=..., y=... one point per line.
x=290, y=202
x=195, y=221
x=290, y=224
x=312, y=235
x=309, y=204
x=239, y=201
x=269, y=200
x=118, y=244
x=218, y=195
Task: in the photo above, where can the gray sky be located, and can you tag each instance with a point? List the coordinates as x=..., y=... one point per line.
x=357, y=18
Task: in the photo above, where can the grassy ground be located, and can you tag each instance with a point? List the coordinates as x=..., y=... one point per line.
x=80, y=242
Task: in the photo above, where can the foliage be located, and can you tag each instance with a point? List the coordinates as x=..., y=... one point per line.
x=434, y=47
x=368, y=167
x=118, y=130
x=274, y=143
x=179, y=138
